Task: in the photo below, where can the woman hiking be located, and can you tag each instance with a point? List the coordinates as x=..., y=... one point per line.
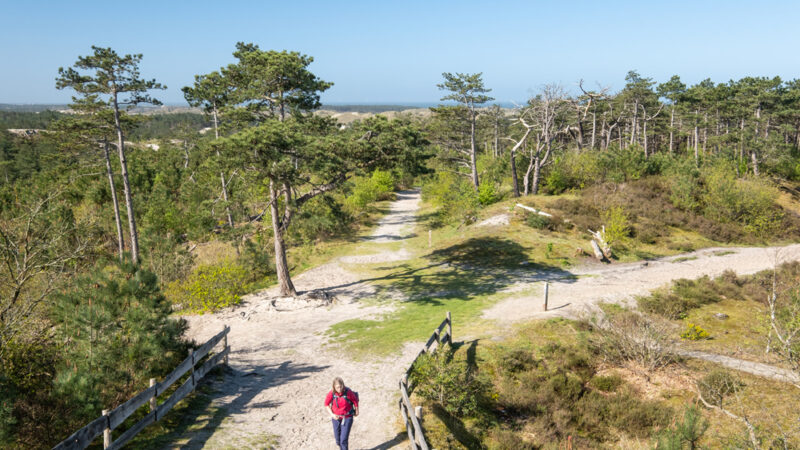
x=342, y=404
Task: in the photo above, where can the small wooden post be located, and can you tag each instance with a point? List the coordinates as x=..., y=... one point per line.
x=418, y=413
x=546, y=293
x=225, y=347
x=449, y=328
x=153, y=403
x=191, y=354
x=430, y=238
x=106, y=432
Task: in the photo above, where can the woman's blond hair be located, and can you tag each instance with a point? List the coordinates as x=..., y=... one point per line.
x=337, y=380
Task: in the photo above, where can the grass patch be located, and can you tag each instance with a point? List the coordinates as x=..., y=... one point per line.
x=683, y=259
x=464, y=278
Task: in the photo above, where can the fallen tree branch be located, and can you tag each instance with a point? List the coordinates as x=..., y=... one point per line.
x=534, y=210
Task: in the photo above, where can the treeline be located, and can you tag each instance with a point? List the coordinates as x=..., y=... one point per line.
x=151, y=126
x=30, y=120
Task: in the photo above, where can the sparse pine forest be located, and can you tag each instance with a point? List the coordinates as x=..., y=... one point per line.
x=113, y=224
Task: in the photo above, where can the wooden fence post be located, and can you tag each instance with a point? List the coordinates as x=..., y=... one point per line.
x=449, y=328
x=546, y=293
x=153, y=402
x=430, y=238
x=225, y=346
x=106, y=431
x=191, y=354
x=418, y=412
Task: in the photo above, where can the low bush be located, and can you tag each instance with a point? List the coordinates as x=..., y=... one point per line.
x=366, y=190
x=694, y=332
x=210, y=287
x=684, y=295
x=551, y=393
x=455, y=197
x=448, y=382
x=607, y=383
x=487, y=194
x=537, y=221
x=630, y=336
x=717, y=385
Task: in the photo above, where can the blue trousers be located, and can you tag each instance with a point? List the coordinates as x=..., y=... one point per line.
x=341, y=431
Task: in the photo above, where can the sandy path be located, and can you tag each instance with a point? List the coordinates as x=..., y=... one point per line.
x=621, y=283
x=755, y=368
x=281, y=370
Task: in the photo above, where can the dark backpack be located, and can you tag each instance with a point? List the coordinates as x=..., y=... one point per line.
x=346, y=390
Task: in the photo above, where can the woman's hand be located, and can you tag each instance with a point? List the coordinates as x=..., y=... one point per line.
x=356, y=411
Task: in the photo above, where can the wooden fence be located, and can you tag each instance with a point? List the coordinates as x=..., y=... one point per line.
x=112, y=419
x=415, y=435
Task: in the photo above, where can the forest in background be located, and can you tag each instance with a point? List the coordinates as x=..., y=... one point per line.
x=103, y=217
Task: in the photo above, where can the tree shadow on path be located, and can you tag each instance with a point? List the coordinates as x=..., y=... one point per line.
x=231, y=394
x=478, y=266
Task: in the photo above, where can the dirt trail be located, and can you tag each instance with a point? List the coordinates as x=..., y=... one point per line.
x=621, y=283
x=281, y=370
x=755, y=368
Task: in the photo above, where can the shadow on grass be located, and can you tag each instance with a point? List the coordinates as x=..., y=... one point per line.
x=391, y=443
x=456, y=428
x=202, y=415
x=479, y=266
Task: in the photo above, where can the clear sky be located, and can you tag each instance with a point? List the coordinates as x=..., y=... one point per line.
x=395, y=51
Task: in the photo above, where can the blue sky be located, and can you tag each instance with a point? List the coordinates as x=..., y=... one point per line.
x=395, y=52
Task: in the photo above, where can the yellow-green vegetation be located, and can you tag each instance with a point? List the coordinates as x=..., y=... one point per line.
x=209, y=288
x=548, y=383
x=694, y=332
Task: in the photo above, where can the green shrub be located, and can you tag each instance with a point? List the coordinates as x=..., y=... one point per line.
x=684, y=295
x=537, y=221
x=366, y=190
x=487, y=193
x=210, y=287
x=750, y=203
x=617, y=227
x=607, y=383
x=383, y=182
x=694, y=332
x=454, y=195
x=448, y=382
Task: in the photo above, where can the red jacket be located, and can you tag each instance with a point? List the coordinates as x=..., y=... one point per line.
x=340, y=406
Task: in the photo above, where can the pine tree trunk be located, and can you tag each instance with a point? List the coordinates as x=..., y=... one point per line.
x=644, y=134
x=594, y=127
x=754, y=159
x=126, y=185
x=222, y=174
x=473, y=157
x=671, y=127
x=114, y=200
x=514, y=181
x=281, y=265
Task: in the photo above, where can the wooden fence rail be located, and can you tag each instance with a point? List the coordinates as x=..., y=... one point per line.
x=110, y=420
x=415, y=434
